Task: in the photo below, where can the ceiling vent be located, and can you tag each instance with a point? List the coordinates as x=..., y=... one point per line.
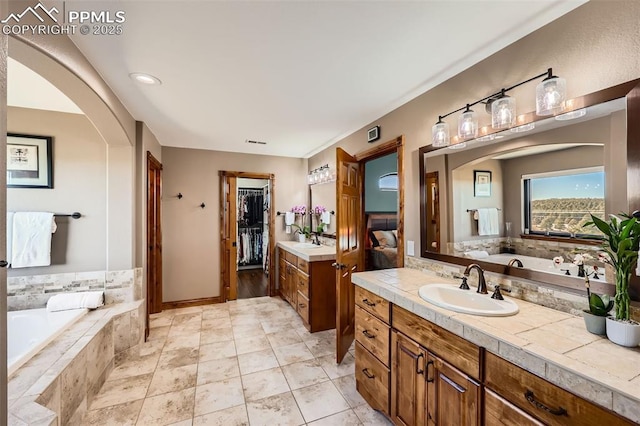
x=255, y=142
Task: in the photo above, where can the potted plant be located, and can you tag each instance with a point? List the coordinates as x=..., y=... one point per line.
x=303, y=232
x=620, y=245
x=599, y=307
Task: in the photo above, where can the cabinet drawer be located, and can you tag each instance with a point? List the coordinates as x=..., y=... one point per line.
x=541, y=399
x=302, y=307
x=372, y=303
x=372, y=380
x=458, y=352
x=373, y=334
x=303, y=284
x=303, y=265
x=291, y=258
x=500, y=412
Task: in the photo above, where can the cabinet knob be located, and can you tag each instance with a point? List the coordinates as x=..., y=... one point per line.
x=3, y=263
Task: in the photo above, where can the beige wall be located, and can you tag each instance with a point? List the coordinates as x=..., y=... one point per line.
x=593, y=47
x=463, y=198
x=191, y=255
x=80, y=184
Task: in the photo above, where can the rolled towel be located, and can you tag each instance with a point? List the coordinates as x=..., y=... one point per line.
x=66, y=301
x=476, y=254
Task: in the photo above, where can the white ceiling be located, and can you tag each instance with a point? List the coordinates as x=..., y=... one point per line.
x=27, y=89
x=299, y=75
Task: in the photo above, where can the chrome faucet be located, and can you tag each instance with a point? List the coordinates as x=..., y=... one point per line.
x=482, y=284
x=515, y=261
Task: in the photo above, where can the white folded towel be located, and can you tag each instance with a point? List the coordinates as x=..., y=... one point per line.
x=476, y=254
x=325, y=217
x=289, y=218
x=31, y=245
x=488, y=221
x=9, y=235
x=66, y=301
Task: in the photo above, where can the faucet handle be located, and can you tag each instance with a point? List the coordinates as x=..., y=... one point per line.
x=464, y=285
x=496, y=293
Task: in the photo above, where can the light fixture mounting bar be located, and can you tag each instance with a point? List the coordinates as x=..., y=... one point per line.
x=547, y=74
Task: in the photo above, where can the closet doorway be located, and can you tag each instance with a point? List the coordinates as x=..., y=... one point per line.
x=246, y=235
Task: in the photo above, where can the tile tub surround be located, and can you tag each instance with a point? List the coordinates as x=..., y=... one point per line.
x=551, y=344
x=245, y=362
x=57, y=384
x=310, y=255
x=33, y=291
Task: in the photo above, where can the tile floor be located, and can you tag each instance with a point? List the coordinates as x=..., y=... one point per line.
x=247, y=362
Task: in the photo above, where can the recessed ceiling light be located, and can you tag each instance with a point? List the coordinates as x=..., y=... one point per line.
x=143, y=78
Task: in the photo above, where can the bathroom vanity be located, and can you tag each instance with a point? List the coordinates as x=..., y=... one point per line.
x=420, y=364
x=307, y=281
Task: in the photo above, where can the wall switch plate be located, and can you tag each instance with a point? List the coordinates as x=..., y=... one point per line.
x=410, y=248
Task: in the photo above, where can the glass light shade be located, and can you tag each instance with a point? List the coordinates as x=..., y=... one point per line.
x=440, y=134
x=550, y=96
x=503, y=112
x=310, y=179
x=467, y=125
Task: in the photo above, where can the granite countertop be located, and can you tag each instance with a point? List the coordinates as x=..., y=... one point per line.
x=549, y=343
x=315, y=254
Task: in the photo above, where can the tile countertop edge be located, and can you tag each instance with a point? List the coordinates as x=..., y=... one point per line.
x=532, y=361
x=310, y=255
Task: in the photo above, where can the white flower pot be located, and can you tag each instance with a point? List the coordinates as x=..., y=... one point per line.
x=301, y=238
x=623, y=333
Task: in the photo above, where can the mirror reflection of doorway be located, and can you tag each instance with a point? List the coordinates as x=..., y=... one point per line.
x=433, y=211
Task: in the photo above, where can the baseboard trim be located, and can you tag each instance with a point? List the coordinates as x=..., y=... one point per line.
x=193, y=302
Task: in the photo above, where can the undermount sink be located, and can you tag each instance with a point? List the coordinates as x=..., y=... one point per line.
x=306, y=245
x=467, y=301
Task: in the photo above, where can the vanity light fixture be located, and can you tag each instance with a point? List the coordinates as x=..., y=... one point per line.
x=572, y=115
x=322, y=174
x=467, y=124
x=550, y=98
x=147, y=79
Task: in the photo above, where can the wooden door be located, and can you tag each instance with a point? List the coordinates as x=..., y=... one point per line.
x=408, y=386
x=228, y=237
x=433, y=211
x=453, y=399
x=154, y=236
x=349, y=258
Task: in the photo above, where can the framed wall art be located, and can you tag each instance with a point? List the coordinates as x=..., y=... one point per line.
x=481, y=183
x=29, y=161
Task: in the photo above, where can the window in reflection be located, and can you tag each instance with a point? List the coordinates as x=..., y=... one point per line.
x=560, y=203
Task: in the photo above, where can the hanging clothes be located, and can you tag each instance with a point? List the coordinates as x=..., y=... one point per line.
x=250, y=206
x=250, y=246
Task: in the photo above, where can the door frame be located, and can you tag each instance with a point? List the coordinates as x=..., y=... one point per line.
x=153, y=237
x=271, y=289
x=394, y=145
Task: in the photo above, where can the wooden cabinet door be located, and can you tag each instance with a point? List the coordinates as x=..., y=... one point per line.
x=407, y=381
x=453, y=399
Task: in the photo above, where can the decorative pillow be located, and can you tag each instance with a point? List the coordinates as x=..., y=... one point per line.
x=385, y=238
x=395, y=234
x=374, y=240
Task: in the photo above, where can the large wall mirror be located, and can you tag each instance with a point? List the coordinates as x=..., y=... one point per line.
x=528, y=194
x=324, y=194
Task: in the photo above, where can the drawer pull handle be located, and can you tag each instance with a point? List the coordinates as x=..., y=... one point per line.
x=429, y=380
x=368, y=335
x=302, y=305
x=366, y=302
x=366, y=373
x=531, y=398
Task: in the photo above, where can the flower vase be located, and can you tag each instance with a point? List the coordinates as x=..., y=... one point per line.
x=595, y=324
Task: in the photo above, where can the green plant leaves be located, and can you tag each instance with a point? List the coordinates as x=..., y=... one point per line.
x=600, y=306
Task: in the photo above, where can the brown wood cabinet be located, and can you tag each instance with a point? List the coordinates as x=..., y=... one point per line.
x=372, y=349
x=310, y=288
x=418, y=373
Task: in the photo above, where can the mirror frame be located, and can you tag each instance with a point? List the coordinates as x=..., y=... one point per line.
x=629, y=90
